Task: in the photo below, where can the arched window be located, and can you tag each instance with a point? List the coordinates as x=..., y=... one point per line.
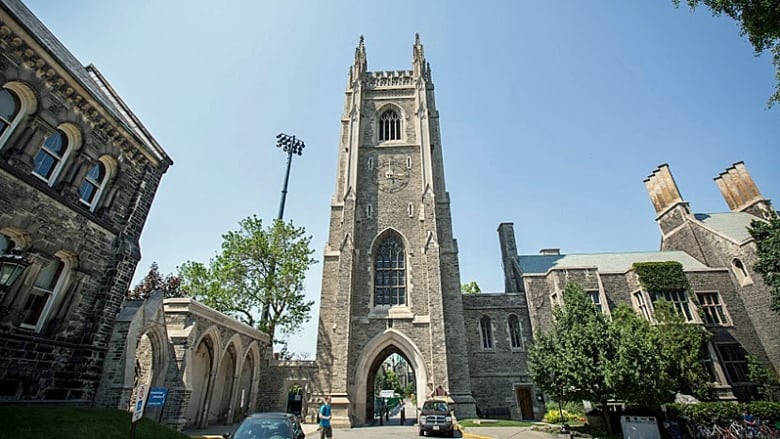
x=486, y=332
x=50, y=157
x=49, y=283
x=9, y=108
x=17, y=100
x=390, y=273
x=515, y=334
x=92, y=186
x=389, y=126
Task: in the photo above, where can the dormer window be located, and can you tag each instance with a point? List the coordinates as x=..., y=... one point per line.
x=389, y=126
x=741, y=272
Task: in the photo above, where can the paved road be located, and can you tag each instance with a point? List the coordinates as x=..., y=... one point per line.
x=406, y=431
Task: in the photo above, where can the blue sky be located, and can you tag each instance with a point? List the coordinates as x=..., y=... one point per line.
x=552, y=113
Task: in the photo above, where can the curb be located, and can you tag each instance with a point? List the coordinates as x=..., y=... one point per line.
x=463, y=433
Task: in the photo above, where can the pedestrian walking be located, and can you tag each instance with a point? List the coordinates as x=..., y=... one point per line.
x=325, y=414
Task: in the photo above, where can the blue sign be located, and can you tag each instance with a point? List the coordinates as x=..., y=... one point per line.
x=157, y=397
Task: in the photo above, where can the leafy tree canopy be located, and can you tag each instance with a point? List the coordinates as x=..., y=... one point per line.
x=587, y=356
x=471, y=288
x=767, y=237
x=258, y=268
x=154, y=281
x=759, y=20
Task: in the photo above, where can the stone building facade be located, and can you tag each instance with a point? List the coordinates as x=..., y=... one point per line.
x=391, y=281
x=78, y=173
x=717, y=255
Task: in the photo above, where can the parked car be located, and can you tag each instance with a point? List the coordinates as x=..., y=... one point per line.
x=272, y=425
x=436, y=418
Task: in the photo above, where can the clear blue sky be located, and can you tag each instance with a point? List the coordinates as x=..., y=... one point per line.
x=552, y=113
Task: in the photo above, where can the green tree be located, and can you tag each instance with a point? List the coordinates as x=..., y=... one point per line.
x=568, y=360
x=633, y=373
x=170, y=285
x=680, y=347
x=470, y=288
x=767, y=237
x=257, y=268
x=759, y=20
x=768, y=381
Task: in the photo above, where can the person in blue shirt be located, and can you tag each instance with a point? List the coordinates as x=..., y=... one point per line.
x=325, y=415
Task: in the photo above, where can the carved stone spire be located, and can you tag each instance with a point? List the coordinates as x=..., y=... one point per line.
x=361, y=65
x=418, y=58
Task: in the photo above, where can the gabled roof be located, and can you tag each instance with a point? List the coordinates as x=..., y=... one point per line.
x=732, y=225
x=604, y=262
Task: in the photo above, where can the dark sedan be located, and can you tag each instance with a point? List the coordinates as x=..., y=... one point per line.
x=269, y=426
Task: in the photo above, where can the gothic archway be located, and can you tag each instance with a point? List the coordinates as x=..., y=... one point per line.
x=389, y=342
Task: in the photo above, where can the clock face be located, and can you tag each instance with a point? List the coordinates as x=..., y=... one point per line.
x=392, y=175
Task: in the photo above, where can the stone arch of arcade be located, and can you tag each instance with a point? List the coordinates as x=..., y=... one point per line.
x=390, y=341
x=209, y=363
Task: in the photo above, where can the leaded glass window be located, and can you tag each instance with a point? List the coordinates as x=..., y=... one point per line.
x=390, y=273
x=389, y=126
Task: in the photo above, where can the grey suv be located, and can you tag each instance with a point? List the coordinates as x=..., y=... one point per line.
x=436, y=418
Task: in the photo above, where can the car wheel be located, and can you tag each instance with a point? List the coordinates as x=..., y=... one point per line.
x=422, y=433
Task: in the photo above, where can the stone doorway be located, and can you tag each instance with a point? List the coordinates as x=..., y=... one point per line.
x=525, y=402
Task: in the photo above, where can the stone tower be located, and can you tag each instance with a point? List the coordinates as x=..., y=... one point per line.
x=391, y=280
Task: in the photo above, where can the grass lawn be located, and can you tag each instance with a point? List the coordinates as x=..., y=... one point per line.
x=33, y=422
x=468, y=423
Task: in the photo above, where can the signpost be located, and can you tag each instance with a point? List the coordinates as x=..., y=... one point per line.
x=138, y=409
x=157, y=396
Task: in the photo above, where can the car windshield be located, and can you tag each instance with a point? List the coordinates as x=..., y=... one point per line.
x=263, y=428
x=435, y=405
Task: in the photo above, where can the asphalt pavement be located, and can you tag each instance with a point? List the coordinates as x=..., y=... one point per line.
x=391, y=431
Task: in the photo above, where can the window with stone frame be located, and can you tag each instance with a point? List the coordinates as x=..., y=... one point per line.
x=92, y=185
x=641, y=305
x=48, y=284
x=390, y=272
x=732, y=358
x=486, y=332
x=9, y=108
x=713, y=311
x=679, y=299
x=50, y=157
x=389, y=126
x=515, y=332
x=595, y=297
x=741, y=272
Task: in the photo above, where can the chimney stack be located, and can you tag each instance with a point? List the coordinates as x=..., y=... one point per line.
x=513, y=277
x=662, y=189
x=740, y=191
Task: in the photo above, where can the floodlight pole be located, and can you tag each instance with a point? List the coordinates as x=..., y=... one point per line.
x=290, y=145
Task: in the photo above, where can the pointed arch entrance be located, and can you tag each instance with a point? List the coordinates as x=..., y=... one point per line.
x=390, y=341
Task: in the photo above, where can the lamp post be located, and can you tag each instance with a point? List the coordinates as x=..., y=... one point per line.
x=290, y=145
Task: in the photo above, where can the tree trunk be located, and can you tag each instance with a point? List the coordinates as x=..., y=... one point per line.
x=605, y=411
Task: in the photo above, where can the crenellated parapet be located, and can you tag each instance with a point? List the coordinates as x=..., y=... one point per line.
x=389, y=79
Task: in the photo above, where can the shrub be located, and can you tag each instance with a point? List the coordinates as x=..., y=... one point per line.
x=554, y=416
